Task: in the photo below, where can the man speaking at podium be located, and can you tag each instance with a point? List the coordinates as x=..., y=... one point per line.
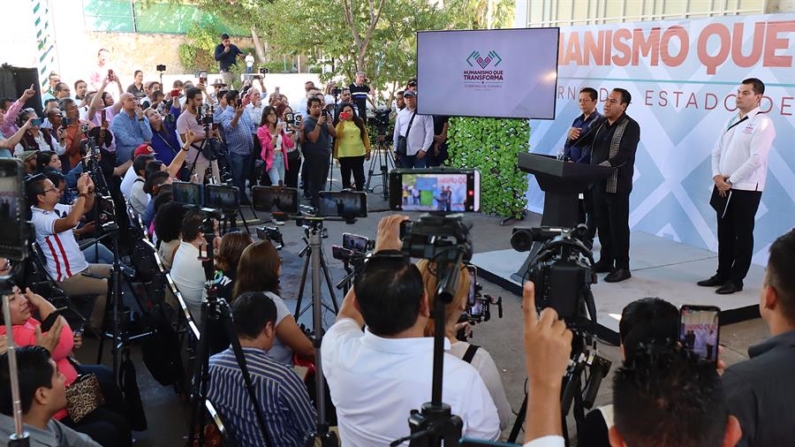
x=613, y=143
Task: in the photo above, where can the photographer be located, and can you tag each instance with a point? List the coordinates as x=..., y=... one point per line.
x=275, y=141
x=259, y=270
x=283, y=398
x=189, y=120
x=42, y=392
x=164, y=136
x=65, y=262
x=479, y=357
x=351, y=147
x=377, y=376
x=317, y=131
x=37, y=139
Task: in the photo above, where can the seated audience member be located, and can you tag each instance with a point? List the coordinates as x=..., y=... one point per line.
x=226, y=260
x=648, y=320
x=29, y=164
x=65, y=262
x=281, y=395
x=378, y=376
x=48, y=159
x=37, y=138
x=9, y=112
x=168, y=229
x=258, y=270
x=106, y=424
x=42, y=392
x=666, y=396
x=138, y=198
x=186, y=270
x=152, y=187
x=474, y=355
x=760, y=390
x=132, y=175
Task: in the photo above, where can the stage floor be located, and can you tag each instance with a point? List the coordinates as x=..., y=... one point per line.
x=660, y=268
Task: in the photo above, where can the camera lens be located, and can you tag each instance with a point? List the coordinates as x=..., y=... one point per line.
x=521, y=240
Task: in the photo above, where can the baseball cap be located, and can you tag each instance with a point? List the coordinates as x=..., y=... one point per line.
x=27, y=155
x=409, y=93
x=143, y=149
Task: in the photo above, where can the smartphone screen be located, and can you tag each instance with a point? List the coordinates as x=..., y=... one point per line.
x=12, y=234
x=475, y=308
x=445, y=191
x=699, y=330
x=354, y=242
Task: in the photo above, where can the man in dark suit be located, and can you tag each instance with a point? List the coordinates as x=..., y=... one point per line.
x=613, y=144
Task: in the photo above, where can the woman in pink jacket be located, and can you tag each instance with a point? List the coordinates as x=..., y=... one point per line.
x=275, y=141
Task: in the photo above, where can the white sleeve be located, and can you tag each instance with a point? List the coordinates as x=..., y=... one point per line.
x=717, y=149
x=761, y=142
x=333, y=340
x=478, y=411
x=428, y=142
x=546, y=441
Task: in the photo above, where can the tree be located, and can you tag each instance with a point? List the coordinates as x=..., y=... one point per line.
x=480, y=14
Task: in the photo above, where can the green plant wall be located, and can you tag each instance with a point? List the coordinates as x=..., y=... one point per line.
x=492, y=146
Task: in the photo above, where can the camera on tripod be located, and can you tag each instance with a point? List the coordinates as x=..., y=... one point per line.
x=204, y=115
x=353, y=250
x=272, y=234
x=561, y=271
x=381, y=120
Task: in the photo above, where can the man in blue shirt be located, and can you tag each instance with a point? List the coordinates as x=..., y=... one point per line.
x=130, y=128
x=588, y=100
x=239, y=131
x=282, y=396
x=226, y=54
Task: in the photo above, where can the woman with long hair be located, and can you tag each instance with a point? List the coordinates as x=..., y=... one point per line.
x=259, y=270
x=275, y=141
x=164, y=138
x=481, y=359
x=351, y=147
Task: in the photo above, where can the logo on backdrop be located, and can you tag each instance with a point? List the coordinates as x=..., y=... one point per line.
x=479, y=78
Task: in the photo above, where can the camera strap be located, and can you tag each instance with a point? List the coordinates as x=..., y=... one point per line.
x=409, y=128
x=165, y=141
x=470, y=354
x=260, y=417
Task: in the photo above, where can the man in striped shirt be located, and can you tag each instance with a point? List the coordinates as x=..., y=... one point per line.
x=282, y=396
x=66, y=263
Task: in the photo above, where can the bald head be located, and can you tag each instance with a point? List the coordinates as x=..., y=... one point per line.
x=128, y=102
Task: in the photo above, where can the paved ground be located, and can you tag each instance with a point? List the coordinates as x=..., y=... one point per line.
x=168, y=416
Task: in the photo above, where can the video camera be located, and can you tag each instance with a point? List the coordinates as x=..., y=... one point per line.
x=561, y=271
x=381, y=120
x=353, y=250
x=272, y=234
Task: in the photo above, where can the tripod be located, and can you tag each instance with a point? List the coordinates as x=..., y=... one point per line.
x=314, y=249
x=120, y=336
x=381, y=157
x=216, y=309
x=322, y=433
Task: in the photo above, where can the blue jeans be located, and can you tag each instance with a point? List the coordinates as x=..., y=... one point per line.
x=411, y=161
x=276, y=172
x=98, y=254
x=240, y=165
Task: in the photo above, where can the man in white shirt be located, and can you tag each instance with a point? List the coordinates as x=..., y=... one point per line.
x=378, y=376
x=188, y=120
x=66, y=263
x=186, y=269
x=415, y=130
x=739, y=168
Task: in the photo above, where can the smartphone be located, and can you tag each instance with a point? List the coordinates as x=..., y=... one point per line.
x=345, y=204
x=36, y=122
x=699, y=330
x=188, y=193
x=110, y=75
x=298, y=119
x=175, y=93
x=473, y=275
x=46, y=325
x=265, y=198
x=440, y=190
x=355, y=242
x=222, y=197
x=13, y=240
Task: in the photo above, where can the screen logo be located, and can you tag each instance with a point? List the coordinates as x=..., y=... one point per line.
x=482, y=73
x=484, y=62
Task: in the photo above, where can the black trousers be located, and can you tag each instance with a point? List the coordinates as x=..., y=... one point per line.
x=316, y=168
x=612, y=220
x=291, y=175
x=587, y=215
x=736, y=236
x=353, y=165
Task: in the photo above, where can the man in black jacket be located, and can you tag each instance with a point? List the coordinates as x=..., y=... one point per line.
x=613, y=144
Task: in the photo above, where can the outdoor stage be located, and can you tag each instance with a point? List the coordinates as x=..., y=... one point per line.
x=660, y=268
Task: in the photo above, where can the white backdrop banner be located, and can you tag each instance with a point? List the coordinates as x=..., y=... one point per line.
x=683, y=77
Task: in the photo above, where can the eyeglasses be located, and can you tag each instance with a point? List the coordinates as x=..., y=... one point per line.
x=51, y=189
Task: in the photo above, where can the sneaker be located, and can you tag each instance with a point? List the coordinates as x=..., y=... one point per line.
x=278, y=222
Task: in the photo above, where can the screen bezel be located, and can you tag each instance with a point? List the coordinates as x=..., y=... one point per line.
x=185, y=186
x=362, y=203
x=224, y=189
x=472, y=204
x=700, y=308
x=258, y=191
x=13, y=247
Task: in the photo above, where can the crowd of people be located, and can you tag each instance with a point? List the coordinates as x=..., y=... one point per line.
x=378, y=355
